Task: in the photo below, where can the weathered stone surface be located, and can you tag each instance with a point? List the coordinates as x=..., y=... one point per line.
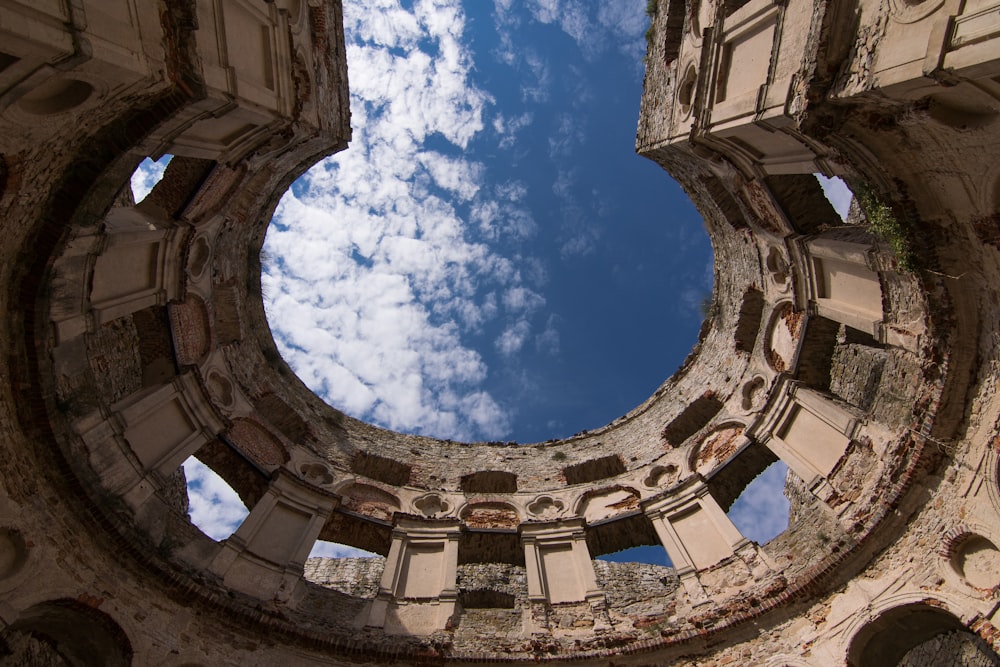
x=876, y=334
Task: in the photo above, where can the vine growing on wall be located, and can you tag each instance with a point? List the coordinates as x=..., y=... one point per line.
x=882, y=221
x=652, y=6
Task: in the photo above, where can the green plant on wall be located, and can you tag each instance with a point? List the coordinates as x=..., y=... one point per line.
x=882, y=221
x=651, y=9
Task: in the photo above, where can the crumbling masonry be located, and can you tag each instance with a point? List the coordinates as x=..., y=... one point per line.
x=865, y=354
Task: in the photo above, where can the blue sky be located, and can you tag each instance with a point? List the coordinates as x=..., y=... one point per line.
x=489, y=260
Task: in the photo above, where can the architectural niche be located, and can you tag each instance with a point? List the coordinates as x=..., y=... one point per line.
x=861, y=352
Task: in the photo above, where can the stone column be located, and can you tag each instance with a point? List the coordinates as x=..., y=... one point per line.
x=419, y=588
x=807, y=431
x=159, y=429
x=696, y=534
x=266, y=555
x=246, y=98
x=135, y=270
x=843, y=285
x=560, y=569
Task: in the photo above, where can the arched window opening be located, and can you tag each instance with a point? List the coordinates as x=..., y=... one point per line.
x=347, y=529
x=629, y=540
x=917, y=634
x=804, y=202
x=653, y=555
x=837, y=193
x=761, y=511
x=674, y=30
x=728, y=482
x=957, y=647
x=147, y=175
x=246, y=480
x=326, y=549
x=213, y=505
x=65, y=632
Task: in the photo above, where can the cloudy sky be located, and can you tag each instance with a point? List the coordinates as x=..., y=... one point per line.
x=489, y=260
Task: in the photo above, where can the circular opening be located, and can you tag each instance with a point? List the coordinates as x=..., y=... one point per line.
x=685, y=93
x=483, y=279
x=978, y=561
x=56, y=96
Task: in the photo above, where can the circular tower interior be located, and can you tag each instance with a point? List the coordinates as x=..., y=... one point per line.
x=860, y=352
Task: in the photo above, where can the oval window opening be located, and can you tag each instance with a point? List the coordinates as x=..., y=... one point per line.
x=489, y=260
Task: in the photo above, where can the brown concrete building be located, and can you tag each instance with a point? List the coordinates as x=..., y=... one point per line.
x=865, y=354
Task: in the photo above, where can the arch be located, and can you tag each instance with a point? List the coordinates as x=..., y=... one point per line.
x=803, y=202
x=75, y=632
x=674, y=29
x=370, y=500
x=661, y=475
x=225, y=460
x=716, y=447
x=894, y=632
x=971, y=553
x=600, y=504
x=257, y=443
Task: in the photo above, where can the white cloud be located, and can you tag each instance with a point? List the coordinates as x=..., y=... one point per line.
x=837, y=193
x=522, y=300
x=383, y=267
x=512, y=339
x=761, y=512
x=213, y=505
x=322, y=549
x=593, y=26
x=146, y=175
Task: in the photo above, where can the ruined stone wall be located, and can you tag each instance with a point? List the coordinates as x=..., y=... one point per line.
x=875, y=381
